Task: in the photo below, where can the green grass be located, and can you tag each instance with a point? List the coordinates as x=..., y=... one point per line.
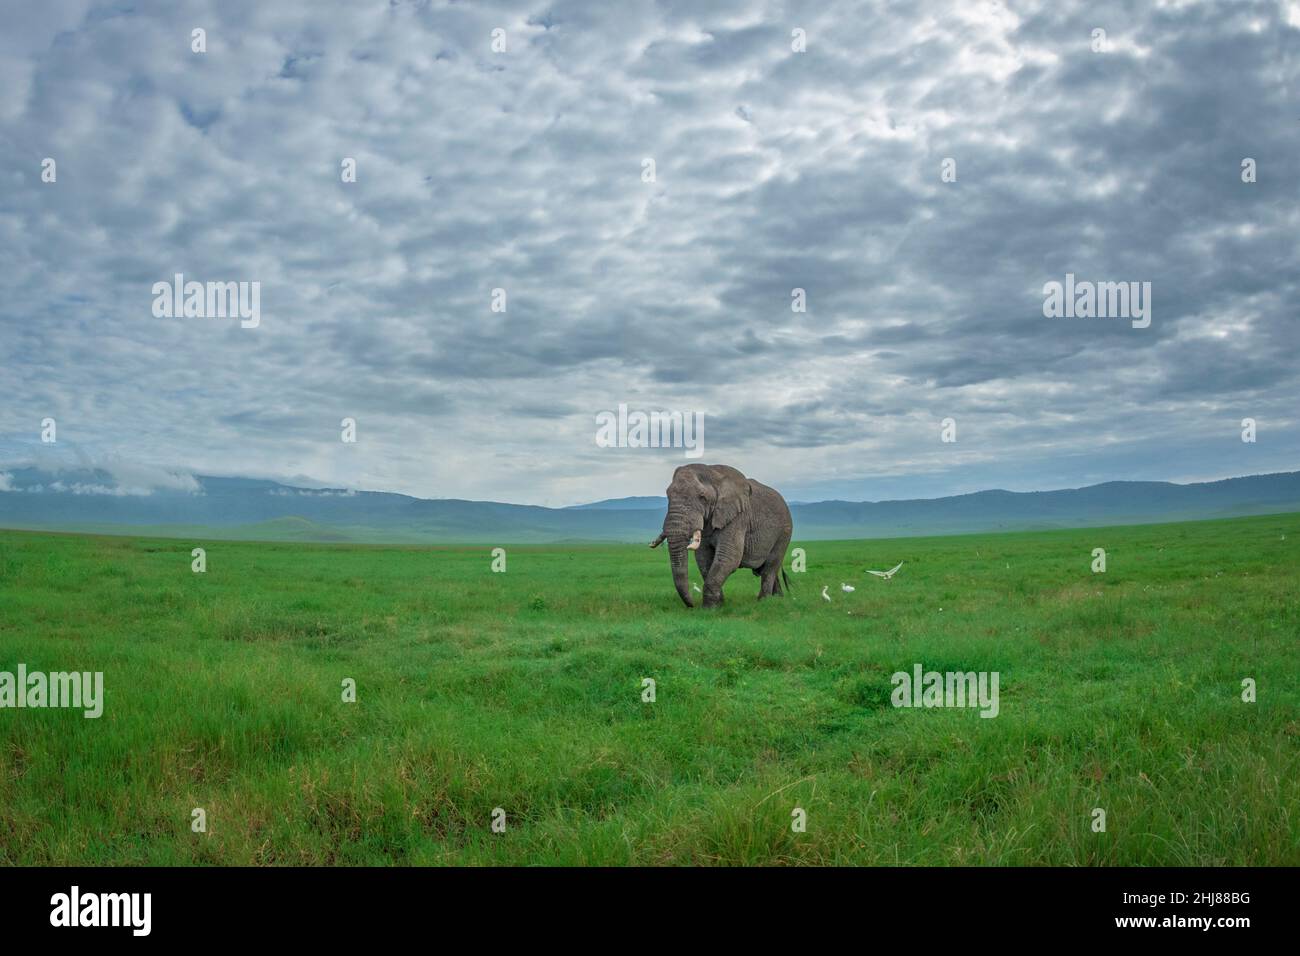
x=522, y=691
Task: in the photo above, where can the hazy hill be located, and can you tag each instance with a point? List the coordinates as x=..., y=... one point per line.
x=638, y=503
x=260, y=509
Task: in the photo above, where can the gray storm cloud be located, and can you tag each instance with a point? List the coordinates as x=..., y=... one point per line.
x=775, y=170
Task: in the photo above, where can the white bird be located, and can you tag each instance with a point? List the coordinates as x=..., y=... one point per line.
x=848, y=588
x=697, y=589
x=825, y=596
x=887, y=574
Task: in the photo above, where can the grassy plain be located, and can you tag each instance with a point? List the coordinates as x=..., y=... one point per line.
x=523, y=690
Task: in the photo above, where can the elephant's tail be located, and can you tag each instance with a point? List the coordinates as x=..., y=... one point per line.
x=785, y=581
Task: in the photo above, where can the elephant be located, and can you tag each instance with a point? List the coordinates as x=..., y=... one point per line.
x=730, y=522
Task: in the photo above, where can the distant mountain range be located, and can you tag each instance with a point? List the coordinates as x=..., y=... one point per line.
x=90, y=501
x=641, y=503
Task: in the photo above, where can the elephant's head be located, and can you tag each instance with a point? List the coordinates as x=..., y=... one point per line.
x=701, y=500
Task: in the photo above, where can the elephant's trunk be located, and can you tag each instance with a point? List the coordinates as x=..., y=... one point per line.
x=682, y=530
x=681, y=577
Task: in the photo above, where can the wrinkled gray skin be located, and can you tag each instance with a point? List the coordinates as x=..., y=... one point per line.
x=729, y=522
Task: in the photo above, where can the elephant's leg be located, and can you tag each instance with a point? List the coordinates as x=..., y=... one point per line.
x=704, y=559
x=727, y=555
x=772, y=569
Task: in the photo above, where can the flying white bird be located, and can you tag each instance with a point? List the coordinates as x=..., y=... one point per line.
x=848, y=588
x=887, y=574
x=825, y=596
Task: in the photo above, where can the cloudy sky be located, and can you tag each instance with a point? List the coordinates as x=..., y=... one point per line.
x=774, y=169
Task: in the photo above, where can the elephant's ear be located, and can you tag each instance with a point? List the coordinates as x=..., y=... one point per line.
x=733, y=497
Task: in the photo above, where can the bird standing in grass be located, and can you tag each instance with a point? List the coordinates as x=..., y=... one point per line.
x=847, y=588
x=825, y=596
